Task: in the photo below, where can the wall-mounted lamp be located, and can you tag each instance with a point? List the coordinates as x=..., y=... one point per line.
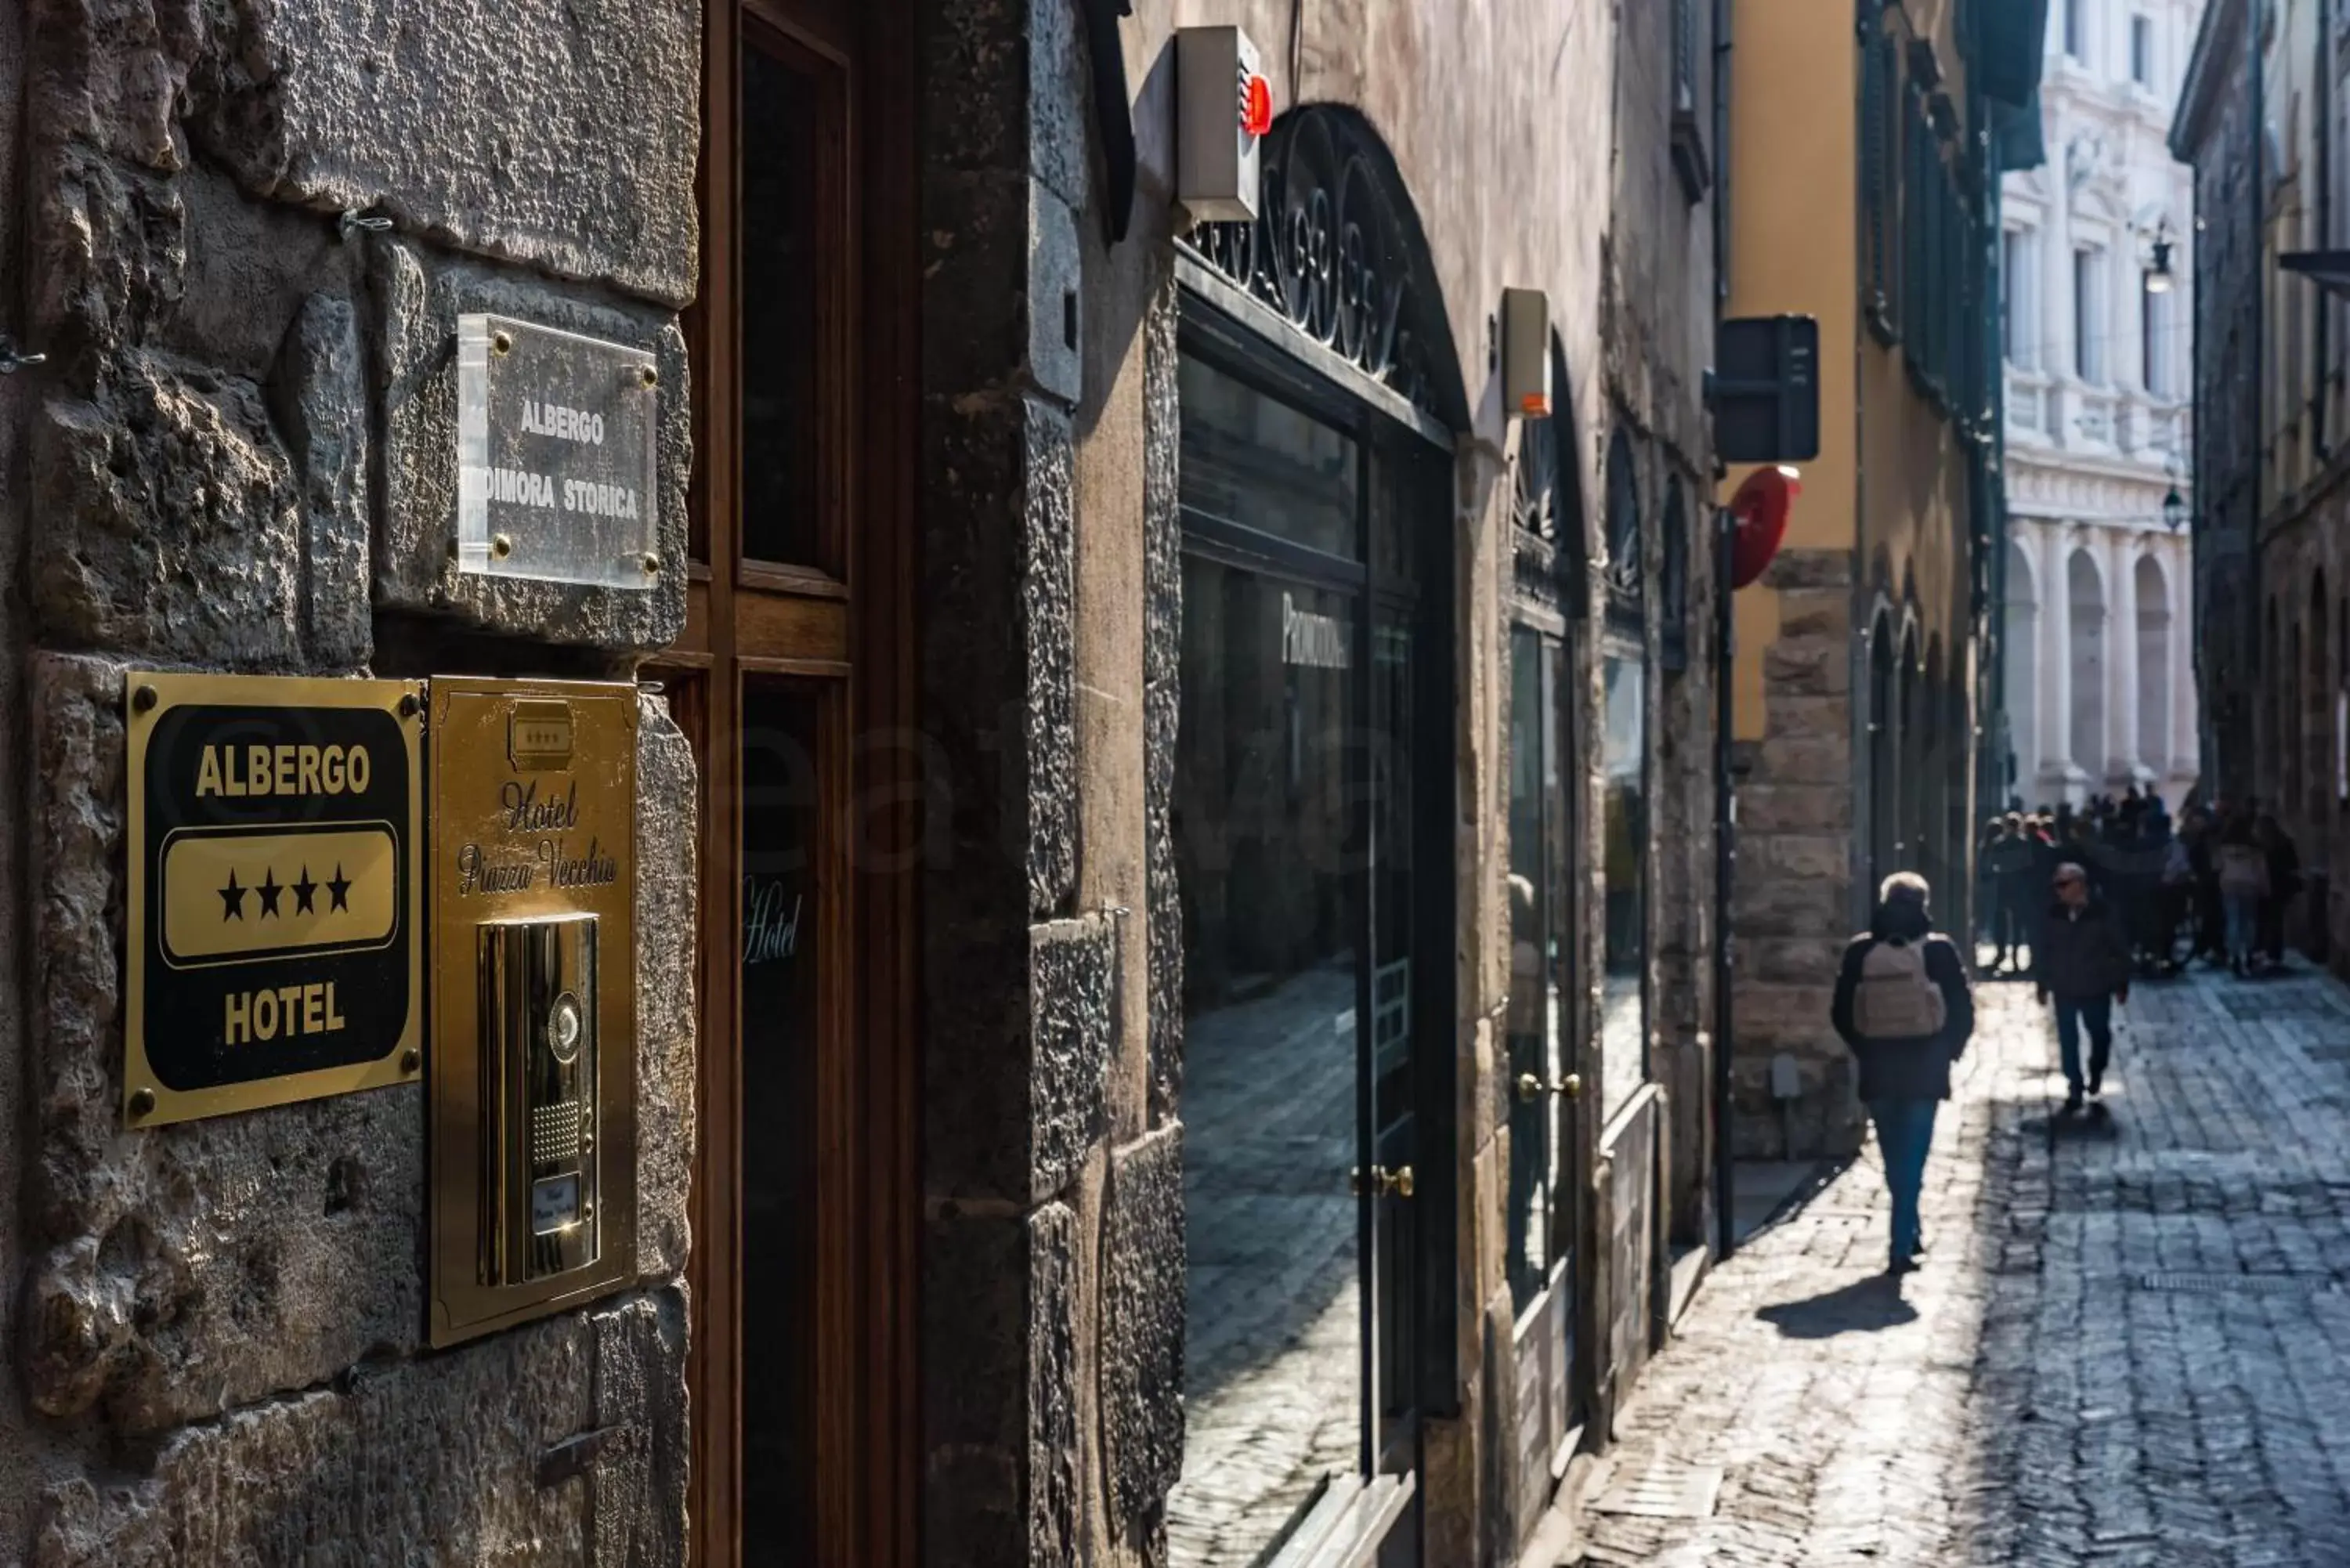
x=2157, y=268
x=2174, y=510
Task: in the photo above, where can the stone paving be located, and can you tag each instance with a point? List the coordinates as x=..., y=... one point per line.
x=2129, y=1347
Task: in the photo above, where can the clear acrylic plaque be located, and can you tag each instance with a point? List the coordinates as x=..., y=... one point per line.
x=554, y=456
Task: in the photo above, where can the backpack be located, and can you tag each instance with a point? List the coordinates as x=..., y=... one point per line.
x=1896, y=999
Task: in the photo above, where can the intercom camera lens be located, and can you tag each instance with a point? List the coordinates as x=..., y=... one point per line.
x=562, y=1028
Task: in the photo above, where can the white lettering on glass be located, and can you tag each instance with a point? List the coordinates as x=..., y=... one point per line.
x=564, y=424
x=1317, y=641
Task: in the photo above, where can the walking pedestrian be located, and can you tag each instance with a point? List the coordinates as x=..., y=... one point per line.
x=1903, y=1008
x=2082, y=963
x=2009, y=863
x=2243, y=874
x=2285, y=882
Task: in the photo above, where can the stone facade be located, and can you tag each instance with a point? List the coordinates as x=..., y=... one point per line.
x=2217, y=131
x=1052, y=618
x=2100, y=681
x=2270, y=344
x=238, y=455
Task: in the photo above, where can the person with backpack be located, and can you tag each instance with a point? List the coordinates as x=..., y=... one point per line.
x=1903, y=1008
x=2082, y=961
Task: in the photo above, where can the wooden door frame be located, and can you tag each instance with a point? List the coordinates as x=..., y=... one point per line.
x=851, y=637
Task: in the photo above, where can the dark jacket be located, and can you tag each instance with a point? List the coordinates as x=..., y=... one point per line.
x=2080, y=958
x=1906, y=1069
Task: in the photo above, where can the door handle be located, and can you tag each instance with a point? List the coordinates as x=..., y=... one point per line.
x=1384, y=1183
x=1531, y=1088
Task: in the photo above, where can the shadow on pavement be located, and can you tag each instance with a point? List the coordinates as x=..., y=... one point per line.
x=1862, y=1306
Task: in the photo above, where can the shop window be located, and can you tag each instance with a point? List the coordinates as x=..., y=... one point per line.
x=1881, y=151
x=2142, y=51
x=1297, y=820
x=1624, y=772
x=1625, y=567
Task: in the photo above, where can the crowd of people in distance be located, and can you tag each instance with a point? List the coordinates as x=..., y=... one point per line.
x=2214, y=885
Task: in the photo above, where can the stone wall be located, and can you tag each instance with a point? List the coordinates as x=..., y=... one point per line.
x=239, y=456
x=1792, y=904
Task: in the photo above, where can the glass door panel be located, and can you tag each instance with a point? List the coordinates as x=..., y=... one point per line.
x=776, y=952
x=1272, y=919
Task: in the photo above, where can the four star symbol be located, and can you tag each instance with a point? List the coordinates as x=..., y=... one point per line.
x=272, y=892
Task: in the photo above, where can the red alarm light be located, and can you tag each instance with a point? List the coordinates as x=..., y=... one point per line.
x=1256, y=105
x=1759, y=510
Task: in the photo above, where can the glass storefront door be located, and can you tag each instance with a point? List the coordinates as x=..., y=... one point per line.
x=1298, y=832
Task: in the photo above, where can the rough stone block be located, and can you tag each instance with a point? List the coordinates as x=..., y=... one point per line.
x=1787, y=906
x=1808, y=667
x=182, y=1271
x=667, y=902
x=1813, y=759
x=561, y=135
x=1143, y=1326
x=168, y=524
x=106, y=248
x=1823, y=613
x=1060, y=101
x=1766, y=808
x=1056, y=276
x=1071, y=970
x=1825, y=855
x=1779, y=1016
x=1810, y=569
x=561, y=1443
x=319, y=395
x=1000, y=1397
x=418, y=297
x=1048, y=614
x=977, y=273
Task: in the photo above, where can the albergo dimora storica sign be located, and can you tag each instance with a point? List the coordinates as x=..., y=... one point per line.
x=274, y=890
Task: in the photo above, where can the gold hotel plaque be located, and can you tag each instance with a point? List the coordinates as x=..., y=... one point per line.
x=533, y=1078
x=276, y=881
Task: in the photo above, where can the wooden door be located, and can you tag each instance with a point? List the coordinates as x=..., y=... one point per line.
x=795, y=683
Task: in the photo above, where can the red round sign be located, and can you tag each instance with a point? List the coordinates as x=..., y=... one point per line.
x=1256, y=106
x=1759, y=510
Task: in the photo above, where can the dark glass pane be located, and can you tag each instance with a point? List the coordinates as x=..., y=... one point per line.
x=1271, y=866
x=1533, y=1002
x=1253, y=460
x=778, y=215
x=779, y=1038
x=1624, y=1025
x=1396, y=987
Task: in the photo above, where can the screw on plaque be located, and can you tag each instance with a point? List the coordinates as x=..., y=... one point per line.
x=648, y=376
x=143, y=699
x=142, y=1102
x=500, y=545
x=12, y=359
x=652, y=563
x=410, y=1060
x=356, y=220
x=408, y=704
x=502, y=342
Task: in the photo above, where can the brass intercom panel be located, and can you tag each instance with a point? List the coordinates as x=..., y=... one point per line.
x=533, y=1069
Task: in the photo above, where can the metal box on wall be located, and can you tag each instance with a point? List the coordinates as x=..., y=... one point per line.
x=532, y=1080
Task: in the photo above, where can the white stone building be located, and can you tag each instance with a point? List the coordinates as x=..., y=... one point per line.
x=2096, y=253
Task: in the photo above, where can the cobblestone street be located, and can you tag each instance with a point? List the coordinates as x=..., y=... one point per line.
x=2128, y=1346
